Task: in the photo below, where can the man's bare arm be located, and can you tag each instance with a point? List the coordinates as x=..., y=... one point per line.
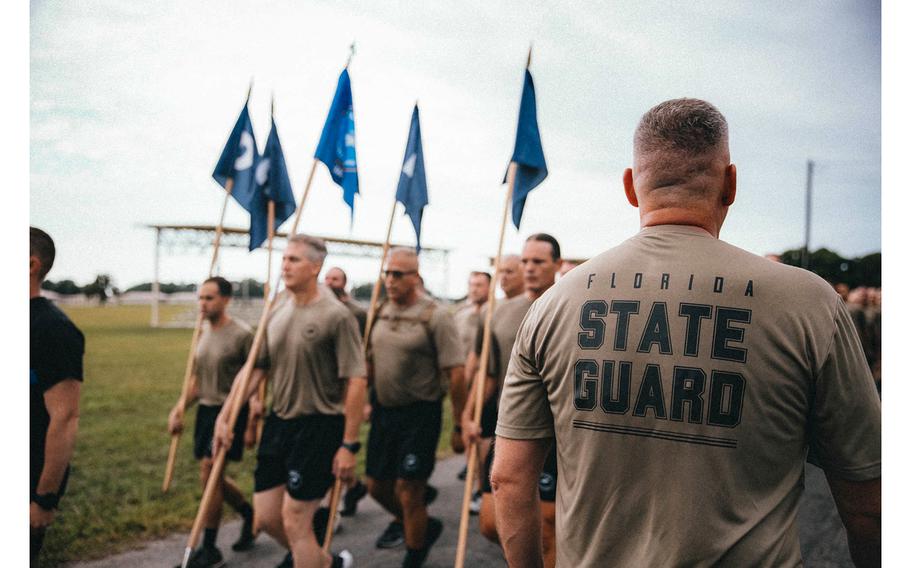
x=344, y=462
x=516, y=470
x=457, y=390
x=860, y=506
x=62, y=402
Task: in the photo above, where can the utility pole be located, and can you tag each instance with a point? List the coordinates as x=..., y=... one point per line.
x=810, y=166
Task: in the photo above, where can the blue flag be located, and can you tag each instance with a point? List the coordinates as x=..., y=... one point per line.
x=336, y=145
x=272, y=184
x=238, y=159
x=412, y=185
x=528, y=154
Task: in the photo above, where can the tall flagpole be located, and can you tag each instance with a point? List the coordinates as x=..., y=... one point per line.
x=197, y=329
x=473, y=450
x=268, y=279
x=371, y=317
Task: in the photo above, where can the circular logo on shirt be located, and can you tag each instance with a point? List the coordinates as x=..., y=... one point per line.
x=546, y=482
x=310, y=331
x=410, y=463
x=294, y=479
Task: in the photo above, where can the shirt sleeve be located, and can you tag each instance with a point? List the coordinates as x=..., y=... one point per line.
x=845, y=419
x=63, y=357
x=349, y=348
x=524, y=410
x=446, y=339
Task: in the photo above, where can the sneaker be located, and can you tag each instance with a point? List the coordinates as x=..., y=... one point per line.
x=246, y=539
x=415, y=558
x=463, y=474
x=288, y=561
x=392, y=537
x=430, y=494
x=204, y=557
x=351, y=497
x=343, y=559
x=474, y=507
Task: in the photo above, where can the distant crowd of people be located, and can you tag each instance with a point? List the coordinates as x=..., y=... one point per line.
x=865, y=305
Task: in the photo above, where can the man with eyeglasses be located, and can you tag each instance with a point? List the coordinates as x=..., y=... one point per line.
x=414, y=353
x=221, y=352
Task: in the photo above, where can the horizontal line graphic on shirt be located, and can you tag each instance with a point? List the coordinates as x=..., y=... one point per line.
x=659, y=434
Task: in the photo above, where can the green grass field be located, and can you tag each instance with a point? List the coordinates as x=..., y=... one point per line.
x=133, y=375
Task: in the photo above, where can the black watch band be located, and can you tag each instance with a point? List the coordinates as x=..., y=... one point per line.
x=47, y=501
x=457, y=429
x=352, y=447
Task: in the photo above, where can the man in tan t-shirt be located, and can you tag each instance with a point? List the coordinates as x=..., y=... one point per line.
x=313, y=355
x=337, y=281
x=221, y=352
x=684, y=380
x=414, y=355
x=541, y=259
x=467, y=316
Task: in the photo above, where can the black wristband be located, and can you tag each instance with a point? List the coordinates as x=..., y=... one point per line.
x=47, y=501
x=352, y=447
x=457, y=429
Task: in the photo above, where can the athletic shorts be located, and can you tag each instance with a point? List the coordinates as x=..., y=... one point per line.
x=403, y=440
x=488, y=417
x=205, y=430
x=546, y=484
x=298, y=453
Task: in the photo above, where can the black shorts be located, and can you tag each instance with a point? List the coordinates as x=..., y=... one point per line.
x=488, y=416
x=546, y=484
x=205, y=430
x=298, y=453
x=403, y=440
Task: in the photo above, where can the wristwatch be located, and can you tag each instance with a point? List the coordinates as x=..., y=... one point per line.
x=352, y=447
x=47, y=501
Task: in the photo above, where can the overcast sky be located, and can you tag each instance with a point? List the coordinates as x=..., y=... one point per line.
x=131, y=105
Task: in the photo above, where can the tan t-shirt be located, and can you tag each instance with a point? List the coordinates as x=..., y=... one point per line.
x=220, y=354
x=407, y=364
x=309, y=349
x=684, y=380
x=507, y=316
x=357, y=310
x=466, y=321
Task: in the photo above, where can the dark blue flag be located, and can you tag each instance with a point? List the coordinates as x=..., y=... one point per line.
x=272, y=184
x=238, y=160
x=528, y=154
x=336, y=145
x=412, y=185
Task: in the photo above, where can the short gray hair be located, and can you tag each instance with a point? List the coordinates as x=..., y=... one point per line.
x=406, y=252
x=316, y=250
x=689, y=127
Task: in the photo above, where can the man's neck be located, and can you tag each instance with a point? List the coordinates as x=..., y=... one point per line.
x=534, y=294
x=307, y=293
x=222, y=320
x=679, y=216
x=34, y=289
x=407, y=301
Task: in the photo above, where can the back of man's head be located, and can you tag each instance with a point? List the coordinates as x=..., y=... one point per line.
x=681, y=144
x=225, y=288
x=41, y=246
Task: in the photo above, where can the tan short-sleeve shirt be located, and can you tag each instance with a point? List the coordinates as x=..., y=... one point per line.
x=309, y=350
x=220, y=354
x=409, y=357
x=507, y=317
x=684, y=380
x=467, y=318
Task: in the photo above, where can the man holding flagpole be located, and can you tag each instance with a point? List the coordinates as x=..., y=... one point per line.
x=314, y=357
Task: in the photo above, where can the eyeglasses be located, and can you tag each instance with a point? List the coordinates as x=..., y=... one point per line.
x=396, y=274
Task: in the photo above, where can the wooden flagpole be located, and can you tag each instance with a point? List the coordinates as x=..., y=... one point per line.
x=473, y=451
x=263, y=384
x=188, y=373
x=371, y=317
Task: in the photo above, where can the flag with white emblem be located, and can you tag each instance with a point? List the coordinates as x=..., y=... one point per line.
x=238, y=160
x=412, y=185
x=528, y=154
x=272, y=184
x=336, y=144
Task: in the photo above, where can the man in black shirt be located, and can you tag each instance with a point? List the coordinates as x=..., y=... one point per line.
x=55, y=374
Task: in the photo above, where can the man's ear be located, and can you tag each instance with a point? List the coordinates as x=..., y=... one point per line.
x=729, y=194
x=629, y=187
x=34, y=266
